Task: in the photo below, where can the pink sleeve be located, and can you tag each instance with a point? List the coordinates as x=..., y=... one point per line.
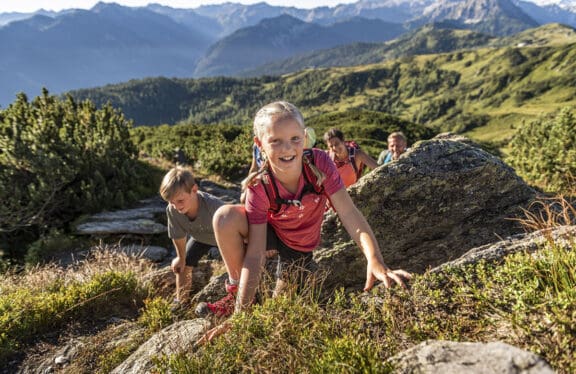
x=333, y=183
x=257, y=204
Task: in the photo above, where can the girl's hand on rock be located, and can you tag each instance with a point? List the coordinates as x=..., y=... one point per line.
x=213, y=333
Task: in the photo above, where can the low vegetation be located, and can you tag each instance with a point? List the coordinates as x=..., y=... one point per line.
x=525, y=300
x=543, y=151
x=44, y=299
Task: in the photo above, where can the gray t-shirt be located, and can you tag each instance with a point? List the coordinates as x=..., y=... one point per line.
x=179, y=225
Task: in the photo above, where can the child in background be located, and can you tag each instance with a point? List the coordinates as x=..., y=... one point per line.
x=397, y=144
x=189, y=213
x=294, y=231
x=348, y=157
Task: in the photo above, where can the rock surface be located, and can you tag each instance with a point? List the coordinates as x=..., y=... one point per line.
x=528, y=243
x=176, y=338
x=448, y=357
x=440, y=199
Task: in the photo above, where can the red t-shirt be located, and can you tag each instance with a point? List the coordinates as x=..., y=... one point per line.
x=297, y=227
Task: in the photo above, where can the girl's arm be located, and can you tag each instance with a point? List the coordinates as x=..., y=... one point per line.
x=360, y=231
x=252, y=265
x=366, y=159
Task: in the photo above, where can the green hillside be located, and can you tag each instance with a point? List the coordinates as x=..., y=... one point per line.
x=483, y=93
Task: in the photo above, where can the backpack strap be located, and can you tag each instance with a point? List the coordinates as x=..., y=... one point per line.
x=352, y=148
x=310, y=186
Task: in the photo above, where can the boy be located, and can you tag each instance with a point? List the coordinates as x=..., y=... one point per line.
x=397, y=144
x=189, y=214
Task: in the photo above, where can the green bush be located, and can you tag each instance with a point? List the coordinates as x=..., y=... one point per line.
x=156, y=314
x=62, y=159
x=544, y=151
x=224, y=150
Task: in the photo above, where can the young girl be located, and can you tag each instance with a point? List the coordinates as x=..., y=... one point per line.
x=294, y=231
x=349, y=158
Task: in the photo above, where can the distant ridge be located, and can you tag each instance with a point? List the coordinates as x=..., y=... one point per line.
x=110, y=43
x=284, y=36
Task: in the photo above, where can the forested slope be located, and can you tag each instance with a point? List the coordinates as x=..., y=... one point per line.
x=485, y=92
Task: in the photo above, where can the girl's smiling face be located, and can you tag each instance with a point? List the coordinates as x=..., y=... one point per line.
x=283, y=144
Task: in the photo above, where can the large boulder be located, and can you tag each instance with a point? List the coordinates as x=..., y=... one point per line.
x=440, y=199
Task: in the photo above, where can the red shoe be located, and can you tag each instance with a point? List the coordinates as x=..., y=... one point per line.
x=221, y=308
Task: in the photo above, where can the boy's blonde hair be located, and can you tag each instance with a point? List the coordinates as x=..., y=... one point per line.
x=398, y=134
x=267, y=115
x=177, y=179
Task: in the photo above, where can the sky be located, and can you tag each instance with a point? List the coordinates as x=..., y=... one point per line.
x=27, y=6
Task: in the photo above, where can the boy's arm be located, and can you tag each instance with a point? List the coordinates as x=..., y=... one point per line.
x=367, y=159
x=180, y=245
x=252, y=265
x=362, y=234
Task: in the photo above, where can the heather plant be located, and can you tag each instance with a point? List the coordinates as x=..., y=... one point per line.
x=544, y=151
x=156, y=314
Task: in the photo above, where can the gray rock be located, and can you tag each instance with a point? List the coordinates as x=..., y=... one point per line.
x=439, y=200
x=228, y=195
x=61, y=360
x=150, y=252
x=140, y=220
x=142, y=226
x=174, y=339
x=527, y=243
x=472, y=358
x=213, y=291
x=129, y=214
x=54, y=360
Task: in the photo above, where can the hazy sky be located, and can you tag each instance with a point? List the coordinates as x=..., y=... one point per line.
x=56, y=5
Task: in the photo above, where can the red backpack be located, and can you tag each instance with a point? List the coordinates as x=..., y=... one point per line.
x=310, y=180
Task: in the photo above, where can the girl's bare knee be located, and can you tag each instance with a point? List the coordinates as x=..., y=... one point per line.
x=230, y=218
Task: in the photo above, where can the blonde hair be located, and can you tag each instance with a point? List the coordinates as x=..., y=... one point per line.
x=266, y=116
x=399, y=135
x=177, y=179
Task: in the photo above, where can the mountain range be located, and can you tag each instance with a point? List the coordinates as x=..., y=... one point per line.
x=110, y=43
